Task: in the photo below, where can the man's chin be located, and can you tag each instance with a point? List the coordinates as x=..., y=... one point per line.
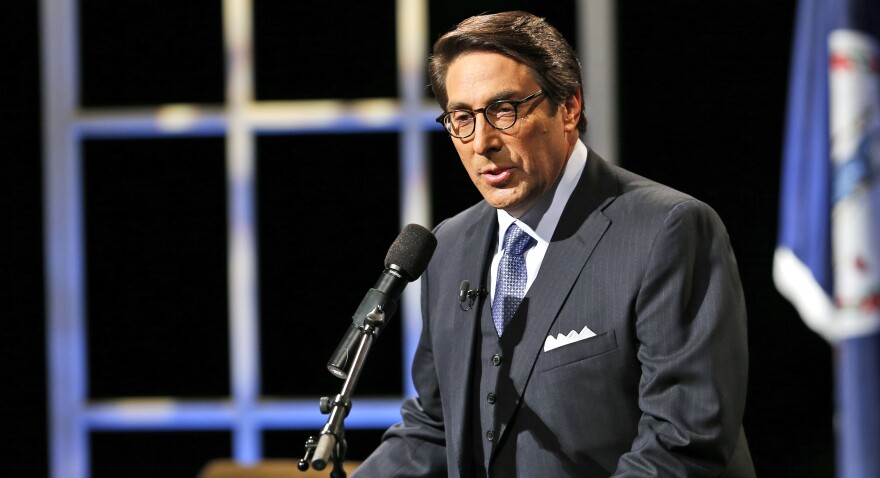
x=509, y=202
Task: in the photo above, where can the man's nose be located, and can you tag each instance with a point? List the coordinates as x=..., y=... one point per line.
x=486, y=137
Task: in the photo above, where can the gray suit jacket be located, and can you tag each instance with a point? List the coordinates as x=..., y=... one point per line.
x=659, y=391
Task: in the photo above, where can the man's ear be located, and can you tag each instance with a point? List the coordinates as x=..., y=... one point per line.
x=571, y=111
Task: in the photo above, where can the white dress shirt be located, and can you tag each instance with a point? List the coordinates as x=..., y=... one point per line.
x=541, y=220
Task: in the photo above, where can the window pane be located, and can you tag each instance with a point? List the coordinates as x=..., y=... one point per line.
x=316, y=50
x=156, y=454
x=161, y=51
x=328, y=212
x=156, y=267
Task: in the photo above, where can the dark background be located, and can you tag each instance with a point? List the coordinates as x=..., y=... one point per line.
x=702, y=96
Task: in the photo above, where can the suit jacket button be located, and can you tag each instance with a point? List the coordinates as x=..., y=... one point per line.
x=491, y=397
x=490, y=435
x=496, y=359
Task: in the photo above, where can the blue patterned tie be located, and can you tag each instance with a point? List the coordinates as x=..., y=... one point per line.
x=510, y=286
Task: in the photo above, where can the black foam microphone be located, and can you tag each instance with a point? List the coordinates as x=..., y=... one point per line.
x=406, y=260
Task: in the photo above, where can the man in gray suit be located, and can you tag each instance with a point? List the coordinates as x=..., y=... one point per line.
x=604, y=330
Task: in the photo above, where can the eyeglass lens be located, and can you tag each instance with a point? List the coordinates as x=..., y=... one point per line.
x=501, y=115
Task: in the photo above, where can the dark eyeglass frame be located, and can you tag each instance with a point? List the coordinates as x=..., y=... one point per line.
x=442, y=119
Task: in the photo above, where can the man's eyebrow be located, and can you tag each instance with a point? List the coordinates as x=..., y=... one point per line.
x=457, y=106
x=501, y=95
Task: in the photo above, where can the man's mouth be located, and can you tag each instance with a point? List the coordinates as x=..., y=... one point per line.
x=497, y=175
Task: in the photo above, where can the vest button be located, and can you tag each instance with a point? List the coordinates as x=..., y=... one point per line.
x=490, y=435
x=496, y=359
x=491, y=397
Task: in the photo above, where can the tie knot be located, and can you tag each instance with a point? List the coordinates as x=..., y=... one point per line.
x=516, y=241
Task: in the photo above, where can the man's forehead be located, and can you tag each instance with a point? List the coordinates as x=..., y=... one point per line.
x=483, y=66
x=483, y=77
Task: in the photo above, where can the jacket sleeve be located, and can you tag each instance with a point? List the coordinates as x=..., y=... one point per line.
x=415, y=447
x=690, y=323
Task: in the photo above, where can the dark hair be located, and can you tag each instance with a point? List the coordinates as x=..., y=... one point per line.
x=518, y=35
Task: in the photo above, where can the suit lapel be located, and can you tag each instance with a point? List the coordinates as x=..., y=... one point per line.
x=580, y=229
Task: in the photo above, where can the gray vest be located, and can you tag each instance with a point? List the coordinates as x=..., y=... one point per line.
x=492, y=395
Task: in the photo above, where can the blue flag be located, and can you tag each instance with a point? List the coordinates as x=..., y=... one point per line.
x=827, y=261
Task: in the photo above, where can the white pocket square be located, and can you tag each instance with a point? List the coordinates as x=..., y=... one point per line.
x=572, y=337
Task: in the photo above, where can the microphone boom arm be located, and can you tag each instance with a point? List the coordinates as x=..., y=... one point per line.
x=331, y=444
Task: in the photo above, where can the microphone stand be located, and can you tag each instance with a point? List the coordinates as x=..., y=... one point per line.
x=331, y=446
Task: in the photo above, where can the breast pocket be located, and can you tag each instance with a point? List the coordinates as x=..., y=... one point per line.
x=577, y=351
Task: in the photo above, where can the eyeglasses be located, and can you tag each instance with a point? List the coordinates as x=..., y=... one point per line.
x=500, y=114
